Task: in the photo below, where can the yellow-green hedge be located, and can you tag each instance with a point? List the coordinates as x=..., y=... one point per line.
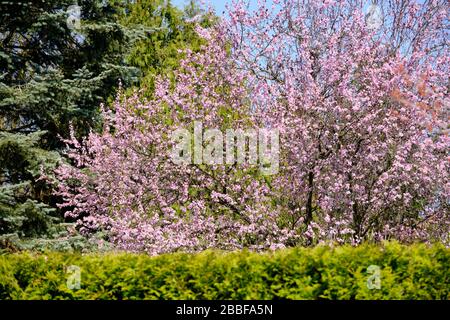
x=407, y=272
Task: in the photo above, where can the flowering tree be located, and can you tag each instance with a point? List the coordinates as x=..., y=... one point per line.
x=124, y=180
x=364, y=140
x=354, y=104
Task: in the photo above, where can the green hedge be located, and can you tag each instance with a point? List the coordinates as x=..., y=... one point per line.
x=407, y=272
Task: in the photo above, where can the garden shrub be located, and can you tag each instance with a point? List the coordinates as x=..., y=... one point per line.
x=416, y=271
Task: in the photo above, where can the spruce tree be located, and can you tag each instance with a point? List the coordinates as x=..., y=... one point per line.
x=59, y=61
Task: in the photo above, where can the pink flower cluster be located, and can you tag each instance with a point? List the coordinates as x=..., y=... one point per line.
x=363, y=120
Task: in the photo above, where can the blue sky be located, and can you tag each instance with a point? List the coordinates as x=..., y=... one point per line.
x=219, y=5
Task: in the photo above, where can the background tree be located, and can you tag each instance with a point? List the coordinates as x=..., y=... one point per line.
x=166, y=31
x=53, y=73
